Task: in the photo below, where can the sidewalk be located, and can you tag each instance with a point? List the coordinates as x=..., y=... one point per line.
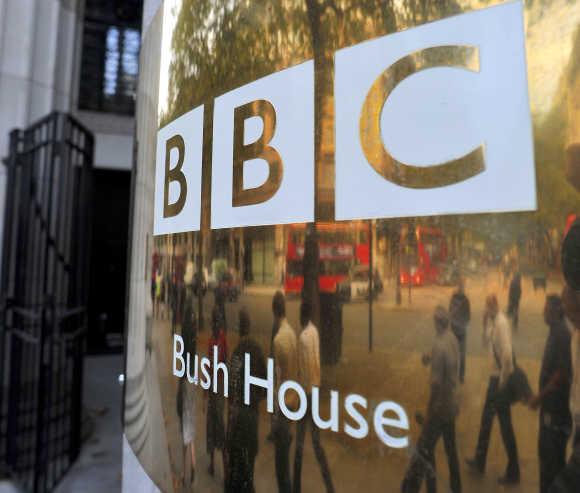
x=99, y=466
x=262, y=289
x=393, y=371
x=388, y=375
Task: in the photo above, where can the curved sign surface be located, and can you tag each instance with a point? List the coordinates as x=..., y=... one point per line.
x=348, y=220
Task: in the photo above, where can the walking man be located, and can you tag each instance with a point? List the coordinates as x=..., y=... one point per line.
x=285, y=361
x=441, y=412
x=497, y=334
x=242, y=431
x=308, y=377
x=459, y=316
x=554, y=395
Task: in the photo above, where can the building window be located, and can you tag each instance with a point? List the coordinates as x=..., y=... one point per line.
x=110, y=56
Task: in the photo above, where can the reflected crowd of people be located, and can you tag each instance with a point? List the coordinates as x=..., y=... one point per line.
x=232, y=427
x=236, y=435
x=557, y=400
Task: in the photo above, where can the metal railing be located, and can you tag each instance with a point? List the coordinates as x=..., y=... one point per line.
x=43, y=298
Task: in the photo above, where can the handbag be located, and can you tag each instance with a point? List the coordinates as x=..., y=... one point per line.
x=517, y=387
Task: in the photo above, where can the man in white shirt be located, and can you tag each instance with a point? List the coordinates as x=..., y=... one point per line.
x=497, y=334
x=284, y=348
x=309, y=376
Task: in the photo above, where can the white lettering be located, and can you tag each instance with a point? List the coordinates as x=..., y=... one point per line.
x=205, y=378
x=216, y=367
x=302, y=399
x=387, y=414
x=401, y=422
x=178, y=356
x=363, y=428
x=267, y=383
x=332, y=422
x=191, y=379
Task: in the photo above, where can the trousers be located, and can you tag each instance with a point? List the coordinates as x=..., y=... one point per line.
x=552, y=442
x=422, y=464
x=318, y=451
x=282, y=441
x=494, y=405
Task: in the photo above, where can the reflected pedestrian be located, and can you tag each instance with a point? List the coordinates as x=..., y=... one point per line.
x=186, y=399
x=497, y=334
x=285, y=361
x=220, y=300
x=308, y=377
x=242, y=435
x=442, y=411
x=514, y=297
x=215, y=433
x=554, y=394
x=178, y=289
x=459, y=316
x=568, y=480
x=506, y=269
x=278, y=297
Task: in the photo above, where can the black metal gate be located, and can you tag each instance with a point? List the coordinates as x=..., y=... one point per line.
x=43, y=294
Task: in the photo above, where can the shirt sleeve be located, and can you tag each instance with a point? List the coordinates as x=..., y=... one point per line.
x=487, y=331
x=316, y=355
x=300, y=360
x=437, y=366
x=277, y=362
x=506, y=352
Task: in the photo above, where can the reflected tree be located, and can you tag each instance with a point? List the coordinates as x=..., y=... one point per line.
x=218, y=45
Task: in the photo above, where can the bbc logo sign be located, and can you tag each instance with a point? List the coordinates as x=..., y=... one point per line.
x=431, y=120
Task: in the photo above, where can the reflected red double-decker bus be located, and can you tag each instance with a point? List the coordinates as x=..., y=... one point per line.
x=340, y=247
x=423, y=254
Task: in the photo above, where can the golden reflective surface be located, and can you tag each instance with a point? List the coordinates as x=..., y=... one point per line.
x=375, y=284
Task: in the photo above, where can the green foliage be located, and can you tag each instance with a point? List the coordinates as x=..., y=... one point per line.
x=556, y=197
x=218, y=45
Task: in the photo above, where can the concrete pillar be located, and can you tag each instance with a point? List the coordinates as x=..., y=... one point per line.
x=38, y=43
x=139, y=282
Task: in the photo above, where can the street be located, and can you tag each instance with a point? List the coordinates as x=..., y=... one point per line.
x=392, y=371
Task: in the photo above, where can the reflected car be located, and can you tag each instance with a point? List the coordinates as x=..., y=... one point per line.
x=411, y=275
x=356, y=285
x=449, y=274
